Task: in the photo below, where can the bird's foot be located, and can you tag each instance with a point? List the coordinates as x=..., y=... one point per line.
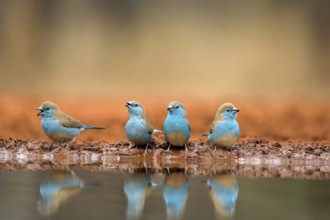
x=146, y=150
x=130, y=146
x=234, y=148
x=69, y=146
x=50, y=147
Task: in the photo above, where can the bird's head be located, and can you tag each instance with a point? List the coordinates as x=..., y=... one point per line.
x=134, y=108
x=176, y=108
x=48, y=109
x=228, y=111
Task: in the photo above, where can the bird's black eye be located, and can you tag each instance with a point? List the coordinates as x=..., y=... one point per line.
x=136, y=105
x=228, y=110
x=47, y=109
x=177, y=107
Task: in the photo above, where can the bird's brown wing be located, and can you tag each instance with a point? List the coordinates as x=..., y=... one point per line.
x=68, y=121
x=214, y=123
x=150, y=128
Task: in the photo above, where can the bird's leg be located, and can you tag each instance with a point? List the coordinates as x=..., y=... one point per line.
x=146, y=150
x=145, y=165
x=50, y=146
x=67, y=145
x=186, y=147
x=130, y=146
x=233, y=149
x=169, y=145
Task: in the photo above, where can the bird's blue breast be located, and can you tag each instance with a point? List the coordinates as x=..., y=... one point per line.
x=49, y=188
x=175, y=197
x=226, y=133
x=224, y=193
x=136, y=189
x=55, y=131
x=225, y=127
x=176, y=130
x=137, y=132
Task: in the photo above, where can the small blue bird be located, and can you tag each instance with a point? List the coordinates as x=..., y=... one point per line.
x=224, y=192
x=59, y=126
x=175, y=192
x=176, y=126
x=138, y=129
x=57, y=188
x=137, y=188
x=224, y=131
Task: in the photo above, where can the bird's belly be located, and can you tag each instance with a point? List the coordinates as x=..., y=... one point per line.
x=137, y=134
x=176, y=138
x=224, y=192
x=61, y=137
x=226, y=141
x=56, y=132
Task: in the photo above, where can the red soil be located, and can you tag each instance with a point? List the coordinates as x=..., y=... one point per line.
x=307, y=121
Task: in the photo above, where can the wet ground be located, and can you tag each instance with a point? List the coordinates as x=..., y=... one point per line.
x=250, y=158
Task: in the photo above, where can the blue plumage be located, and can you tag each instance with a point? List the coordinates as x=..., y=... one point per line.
x=137, y=187
x=138, y=129
x=59, y=126
x=175, y=193
x=176, y=125
x=224, y=193
x=57, y=188
x=224, y=131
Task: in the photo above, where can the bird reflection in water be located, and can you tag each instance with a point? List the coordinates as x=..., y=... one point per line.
x=137, y=187
x=223, y=189
x=56, y=188
x=175, y=193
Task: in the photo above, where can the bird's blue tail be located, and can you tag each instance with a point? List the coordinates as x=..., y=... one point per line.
x=91, y=127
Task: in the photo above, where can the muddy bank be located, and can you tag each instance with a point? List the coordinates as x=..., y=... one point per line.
x=251, y=158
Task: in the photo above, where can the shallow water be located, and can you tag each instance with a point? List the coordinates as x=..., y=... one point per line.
x=80, y=194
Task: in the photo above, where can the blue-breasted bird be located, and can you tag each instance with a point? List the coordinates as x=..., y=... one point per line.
x=137, y=187
x=224, y=131
x=175, y=193
x=176, y=125
x=59, y=126
x=56, y=189
x=138, y=129
x=224, y=192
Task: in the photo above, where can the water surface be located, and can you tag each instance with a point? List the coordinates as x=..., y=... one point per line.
x=80, y=194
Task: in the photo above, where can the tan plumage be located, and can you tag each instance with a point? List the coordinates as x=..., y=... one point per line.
x=224, y=129
x=65, y=120
x=59, y=126
x=150, y=128
x=218, y=116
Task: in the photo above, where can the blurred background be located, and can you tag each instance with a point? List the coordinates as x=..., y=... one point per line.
x=261, y=49
x=271, y=58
